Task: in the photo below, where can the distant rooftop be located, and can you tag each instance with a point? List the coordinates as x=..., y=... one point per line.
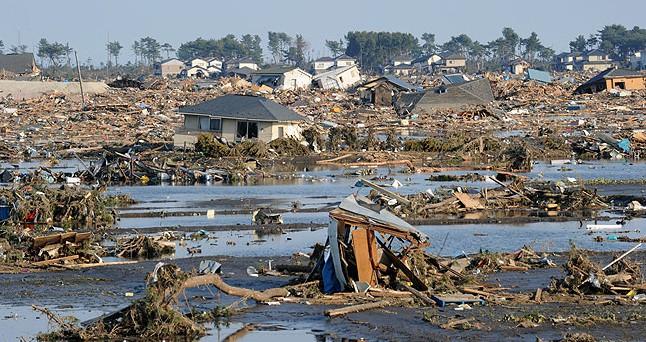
x=244, y=107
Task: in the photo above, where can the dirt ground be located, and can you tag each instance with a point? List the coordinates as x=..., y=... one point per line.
x=104, y=288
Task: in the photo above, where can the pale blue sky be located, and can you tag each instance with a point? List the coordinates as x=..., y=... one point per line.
x=85, y=24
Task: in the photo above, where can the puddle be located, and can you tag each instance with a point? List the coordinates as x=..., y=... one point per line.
x=267, y=332
x=23, y=321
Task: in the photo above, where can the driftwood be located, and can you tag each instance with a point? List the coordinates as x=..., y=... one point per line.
x=216, y=280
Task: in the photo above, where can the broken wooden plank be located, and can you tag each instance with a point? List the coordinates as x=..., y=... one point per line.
x=53, y=261
x=364, y=246
x=389, y=193
x=538, y=295
x=424, y=298
x=442, y=301
x=356, y=308
x=468, y=201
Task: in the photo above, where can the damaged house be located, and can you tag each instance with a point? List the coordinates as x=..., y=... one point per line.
x=451, y=96
x=282, y=77
x=168, y=68
x=384, y=90
x=236, y=118
x=323, y=64
x=339, y=78
x=613, y=78
x=367, y=246
x=450, y=63
x=18, y=64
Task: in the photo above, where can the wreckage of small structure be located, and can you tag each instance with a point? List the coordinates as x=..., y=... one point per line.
x=362, y=237
x=452, y=96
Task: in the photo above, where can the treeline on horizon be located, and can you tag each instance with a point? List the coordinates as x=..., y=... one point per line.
x=373, y=50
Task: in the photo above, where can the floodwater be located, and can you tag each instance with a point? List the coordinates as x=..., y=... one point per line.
x=317, y=190
x=23, y=321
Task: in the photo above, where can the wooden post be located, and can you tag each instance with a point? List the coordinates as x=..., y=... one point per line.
x=78, y=69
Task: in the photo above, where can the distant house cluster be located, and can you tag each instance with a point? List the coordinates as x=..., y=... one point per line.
x=595, y=60
x=203, y=67
x=442, y=63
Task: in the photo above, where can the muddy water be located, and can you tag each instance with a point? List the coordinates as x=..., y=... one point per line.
x=318, y=190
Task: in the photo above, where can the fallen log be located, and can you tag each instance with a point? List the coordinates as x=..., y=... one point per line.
x=216, y=280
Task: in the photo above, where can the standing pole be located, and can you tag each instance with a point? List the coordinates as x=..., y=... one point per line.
x=78, y=69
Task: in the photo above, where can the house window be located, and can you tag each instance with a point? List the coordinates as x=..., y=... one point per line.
x=247, y=130
x=281, y=131
x=216, y=124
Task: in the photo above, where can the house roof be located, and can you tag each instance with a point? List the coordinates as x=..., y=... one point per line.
x=244, y=107
x=449, y=96
x=539, y=75
x=214, y=59
x=450, y=55
x=401, y=85
x=244, y=71
x=345, y=58
x=454, y=79
x=17, y=63
x=334, y=72
x=325, y=59
x=197, y=67
x=170, y=60
x=596, y=52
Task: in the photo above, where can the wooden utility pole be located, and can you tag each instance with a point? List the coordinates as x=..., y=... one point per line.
x=78, y=69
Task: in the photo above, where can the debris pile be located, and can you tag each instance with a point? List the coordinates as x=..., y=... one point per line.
x=144, y=247
x=583, y=276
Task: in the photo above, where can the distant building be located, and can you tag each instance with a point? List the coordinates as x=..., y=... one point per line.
x=168, y=68
x=239, y=63
x=236, y=118
x=215, y=62
x=196, y=72
x=518, y=66
x=450, y=62
x=424, y=64
x=344, y=61
x=338, y=78
x=282, y=77
x=638, y=60
x=18, y=64
x=399, y=60
x=452, y=96
x=323, y=64
x=596, y=60
x=613, y=78
x=400, y=69
x=199, y=62
x=568, y=61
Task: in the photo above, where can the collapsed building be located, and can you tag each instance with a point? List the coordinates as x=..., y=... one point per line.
x=450, y=96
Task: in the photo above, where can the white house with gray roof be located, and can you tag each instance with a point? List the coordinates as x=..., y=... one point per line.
x=237, y=118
